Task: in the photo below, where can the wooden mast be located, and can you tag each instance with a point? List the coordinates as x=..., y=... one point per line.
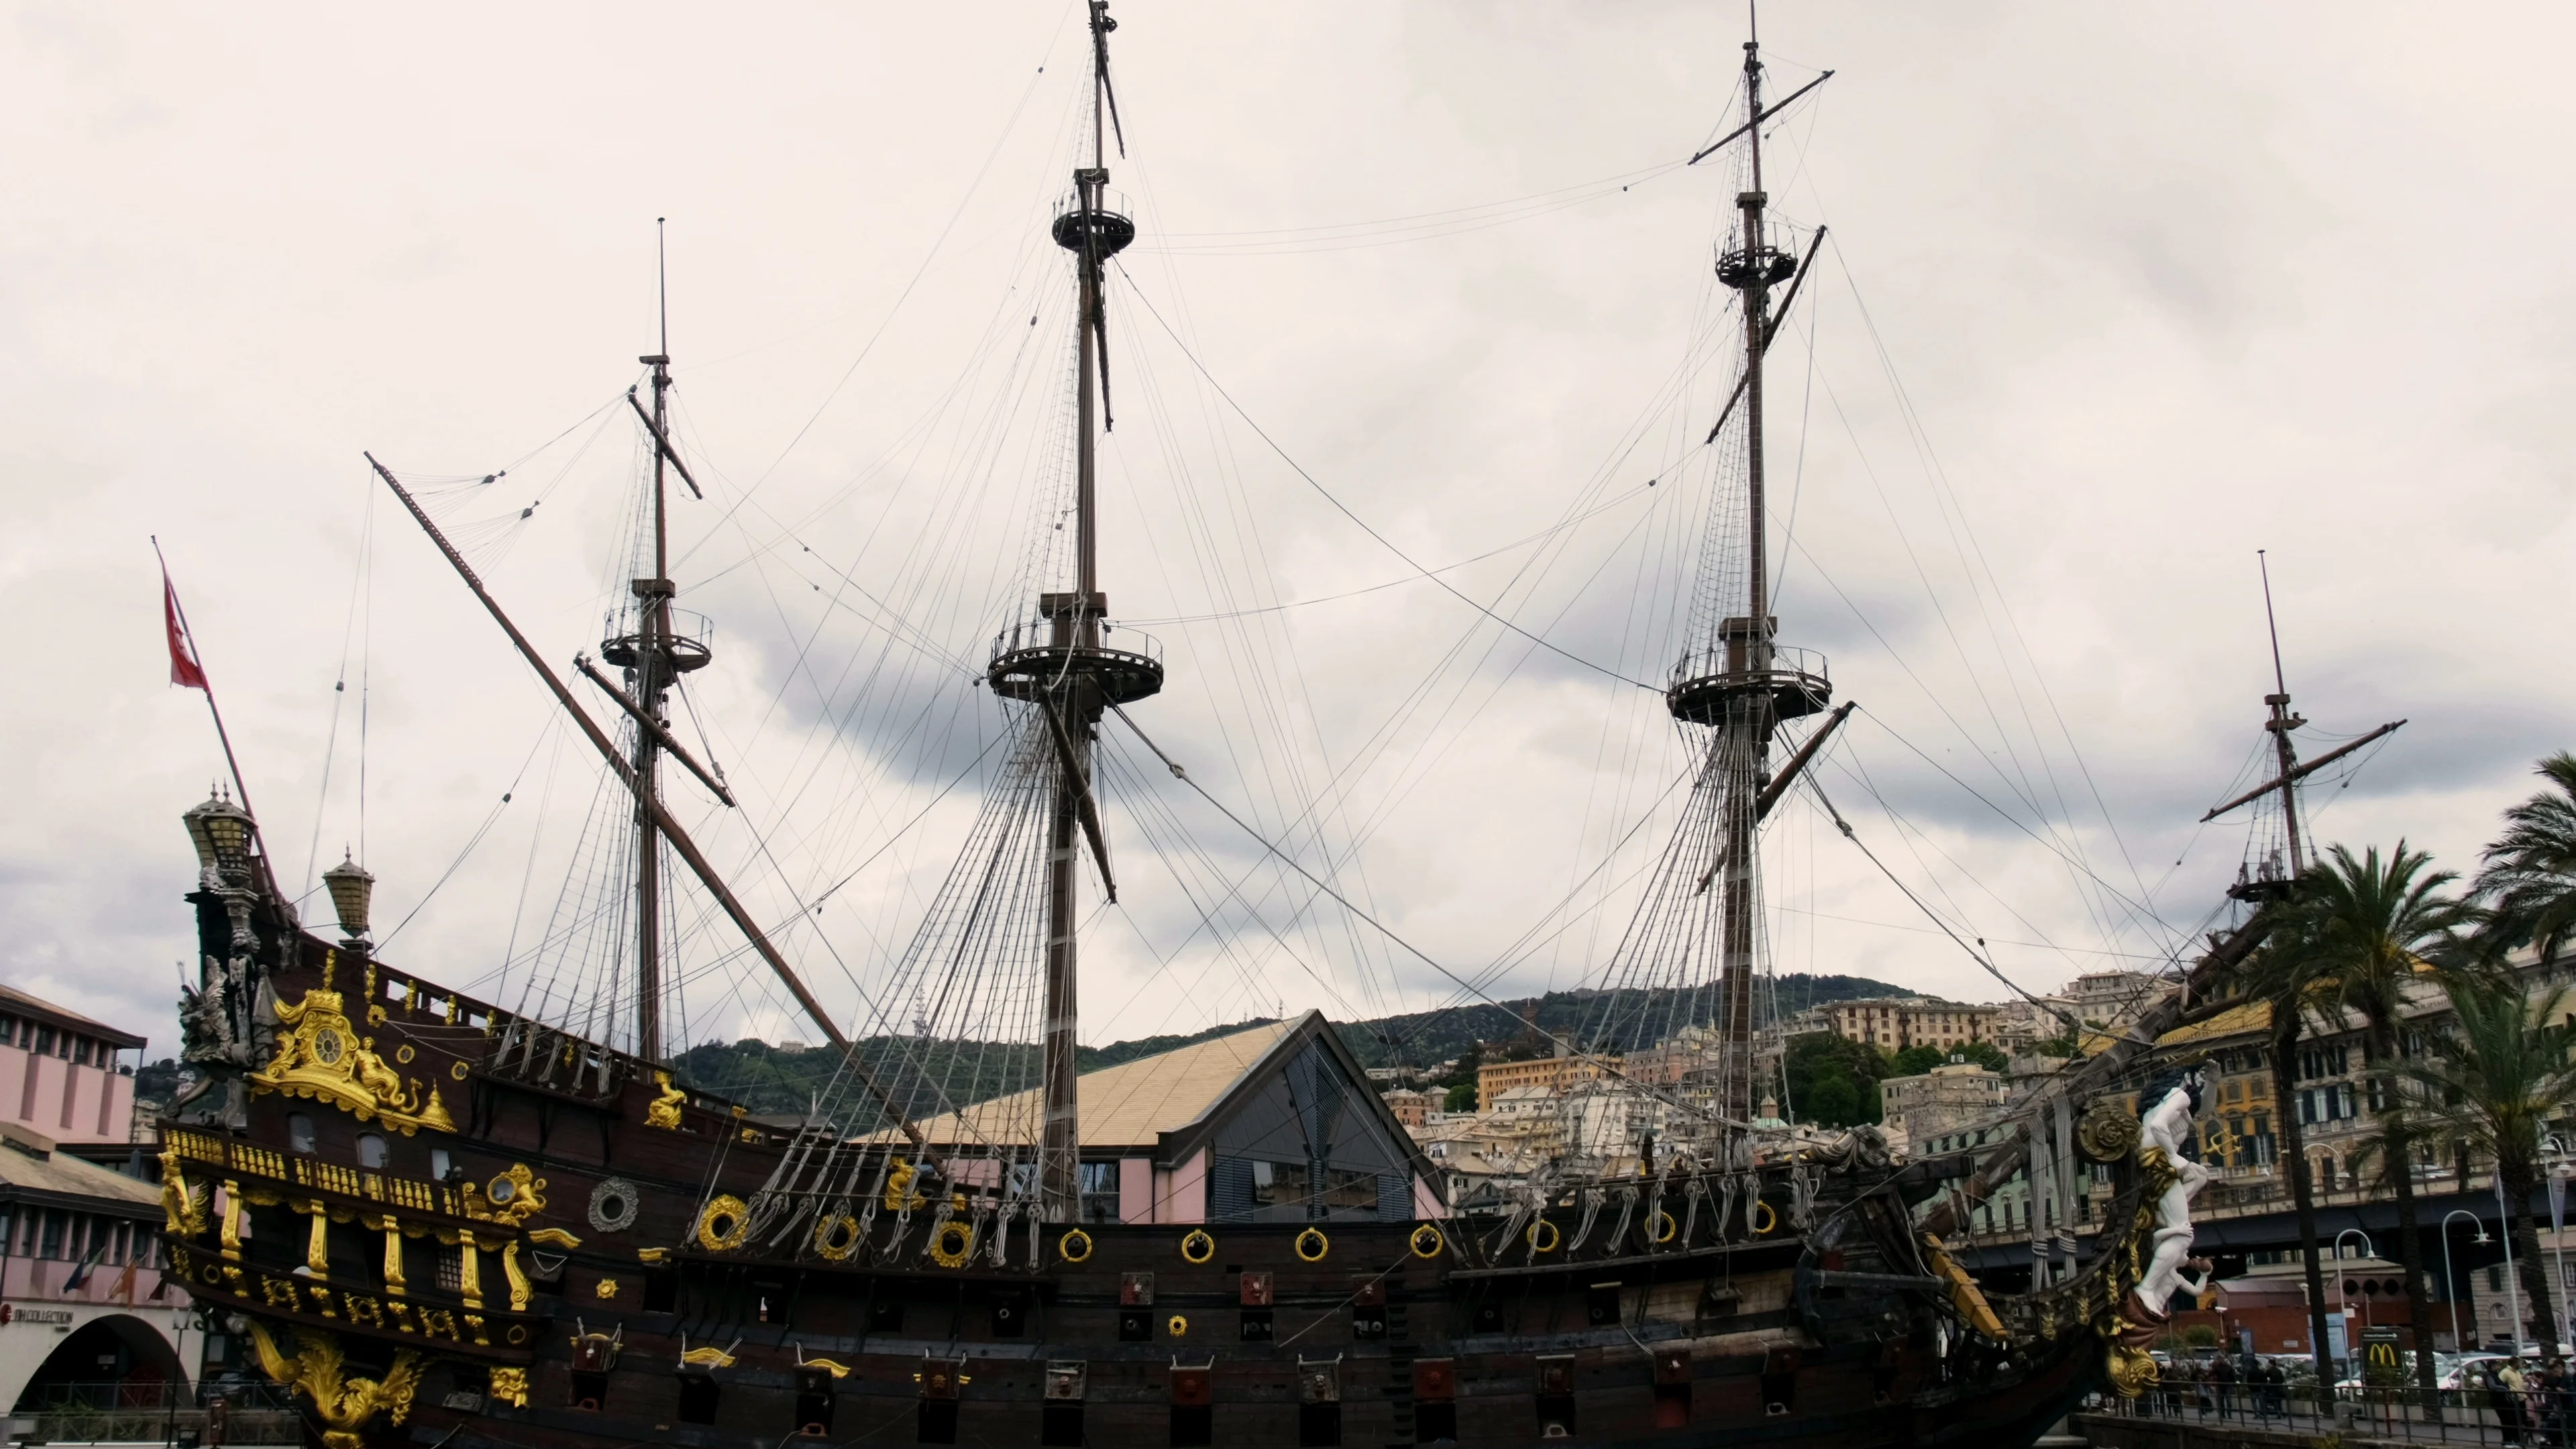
x=1073, y=707
x=1744, y=747
x=2280, y=724
x=650, y=675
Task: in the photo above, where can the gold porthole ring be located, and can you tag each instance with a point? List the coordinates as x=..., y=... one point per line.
x=724, y=1224
x=1427, y=1242
x=952, y=1245
x=1552, y=1238
x=1664, y=1229
x=1766, y=1220
x=458, y=1071
x=1312, y=1245
x=836, y=1237
x=1075, y=1246
x=1177, y=1326
x=403, y=1054
x=1197, y=1246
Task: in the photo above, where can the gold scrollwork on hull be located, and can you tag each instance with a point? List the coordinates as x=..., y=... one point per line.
x=511, y=1384
x=343, y=1402
x=324, y=1059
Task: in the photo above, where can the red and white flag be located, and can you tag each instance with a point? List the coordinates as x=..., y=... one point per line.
x=184, y=668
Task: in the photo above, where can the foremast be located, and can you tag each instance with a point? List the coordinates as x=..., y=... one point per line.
x=1061, y=661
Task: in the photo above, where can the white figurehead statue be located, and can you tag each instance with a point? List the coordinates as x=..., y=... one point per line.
x=2166, y=1112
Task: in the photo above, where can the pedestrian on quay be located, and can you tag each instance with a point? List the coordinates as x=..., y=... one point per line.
x=2222, y=1383
x=2505, y=1388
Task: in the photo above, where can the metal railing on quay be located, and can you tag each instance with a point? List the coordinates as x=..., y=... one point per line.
x=2539, y=1420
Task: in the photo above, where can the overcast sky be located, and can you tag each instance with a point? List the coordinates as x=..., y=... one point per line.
x=2114, y=298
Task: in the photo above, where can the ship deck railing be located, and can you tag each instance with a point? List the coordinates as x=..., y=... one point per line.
x=2298, y=1410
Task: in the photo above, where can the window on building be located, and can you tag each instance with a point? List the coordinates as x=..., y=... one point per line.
x=1099, y=1192
x=2495, y=1279
x=50, y=1241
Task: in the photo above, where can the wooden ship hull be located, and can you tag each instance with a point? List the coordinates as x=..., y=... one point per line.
x=442, y=1225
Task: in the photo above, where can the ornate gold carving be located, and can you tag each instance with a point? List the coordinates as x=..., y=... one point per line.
x=183, y=1205
x=752, y=1135
x=325, y=1060
x=554, y=1238
x=652, y=1255
x=836, y=1370
x=664, y=1111
x=344, y=1403
x=2109, y=1131
x=953, y=1245
x=899, y=1195
x=511, y=1384
x=724, y=1224
x=511, y=1197
x=607, y=1289
x=520, y=1288
x=708, y=1356
x=232, y=1229
x=394, y=1279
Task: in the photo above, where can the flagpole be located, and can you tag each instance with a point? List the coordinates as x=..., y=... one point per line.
x=206, y=686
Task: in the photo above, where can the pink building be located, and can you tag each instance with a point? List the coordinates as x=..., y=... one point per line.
x=61, y=1074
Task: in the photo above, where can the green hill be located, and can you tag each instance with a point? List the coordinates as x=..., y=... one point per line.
x=771, y=1079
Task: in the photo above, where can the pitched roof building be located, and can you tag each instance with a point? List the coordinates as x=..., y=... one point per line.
x=1276, y=1123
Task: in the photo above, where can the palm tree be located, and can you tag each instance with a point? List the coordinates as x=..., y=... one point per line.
x=2367, y=926
x=2494, y=1078
x=2529, y=880
x=2285, y=978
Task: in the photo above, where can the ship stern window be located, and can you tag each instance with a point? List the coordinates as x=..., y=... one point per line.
x=371, y=1151
x=299, y=1132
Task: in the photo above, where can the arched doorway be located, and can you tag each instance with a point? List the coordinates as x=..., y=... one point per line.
x=115, y=1362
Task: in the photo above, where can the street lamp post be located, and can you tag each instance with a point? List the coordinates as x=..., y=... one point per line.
x=2450, y=1278
x=2343, y=1285
x=2558, y=1171
x=2512, y=1302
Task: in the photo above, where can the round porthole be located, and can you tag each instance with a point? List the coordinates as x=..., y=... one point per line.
x=1312, y=1245
x=1665, y=1229
x=1197, y=1246
x=836, y=1237
x=1177, y=1326
x=952, y=1245
x=1544, y=1236
x=1427, y=1242
x=613, y=1205
x=1766, y=1220
x=1075, y=1246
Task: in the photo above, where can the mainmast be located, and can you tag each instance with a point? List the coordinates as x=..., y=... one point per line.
x=1741, y=682
x=653, y=656
x=1060, y=662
